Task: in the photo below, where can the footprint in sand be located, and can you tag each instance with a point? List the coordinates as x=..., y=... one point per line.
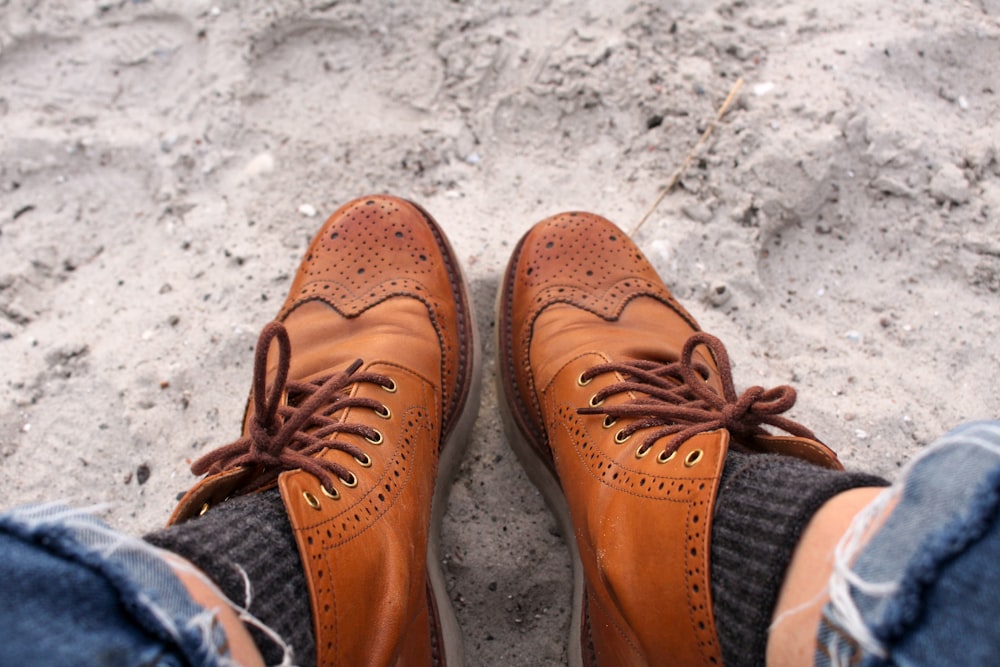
x=111, y=66
x=311, y=74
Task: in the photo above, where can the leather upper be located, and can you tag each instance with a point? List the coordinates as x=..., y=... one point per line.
x=380, y=283
x=578, y=294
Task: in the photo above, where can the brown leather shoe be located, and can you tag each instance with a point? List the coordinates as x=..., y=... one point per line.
x=622, y=413
x=359, y=415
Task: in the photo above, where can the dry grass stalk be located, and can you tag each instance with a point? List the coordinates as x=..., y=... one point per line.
x=676, y=177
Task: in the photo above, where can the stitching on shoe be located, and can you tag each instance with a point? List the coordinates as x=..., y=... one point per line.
x=620, y=488
x=463, y=371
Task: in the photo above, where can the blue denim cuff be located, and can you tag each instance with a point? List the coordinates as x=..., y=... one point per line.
x=75, y=589
x=923, y=590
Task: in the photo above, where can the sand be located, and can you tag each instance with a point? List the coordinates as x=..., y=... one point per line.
x=163, y=165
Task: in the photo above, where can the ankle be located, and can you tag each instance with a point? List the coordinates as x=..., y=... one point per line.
x=765, y=504
x=792, y=639
x=242, y=648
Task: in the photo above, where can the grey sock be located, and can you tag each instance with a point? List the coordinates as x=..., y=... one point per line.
x=252, y=533
x=765, y=502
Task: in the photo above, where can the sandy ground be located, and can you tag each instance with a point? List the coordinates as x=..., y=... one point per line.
x=164, y=163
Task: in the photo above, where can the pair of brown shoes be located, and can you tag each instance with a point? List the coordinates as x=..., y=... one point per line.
x=367, y=385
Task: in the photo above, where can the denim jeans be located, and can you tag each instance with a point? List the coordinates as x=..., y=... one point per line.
x=923, y=590
x=75, y=592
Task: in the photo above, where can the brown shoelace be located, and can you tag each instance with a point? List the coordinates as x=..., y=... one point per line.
x=295, y=420
x=676, y=400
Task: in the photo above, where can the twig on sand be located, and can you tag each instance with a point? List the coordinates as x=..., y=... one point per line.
x=676, y=177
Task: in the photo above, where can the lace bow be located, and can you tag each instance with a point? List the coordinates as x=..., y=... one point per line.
x=295, y=420
x=676, y=400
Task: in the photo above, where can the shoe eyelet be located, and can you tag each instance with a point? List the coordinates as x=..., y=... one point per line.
x=582, y=381
x=365, y=461
x=204, y=508
x=660, y=458
x=332, y=495
x=351, y=482
x=384, y=412
x=609, y=421
x=622, y=437
x=377, y=440
x=311, y=500
x=594, y=402
x=391, y=387
x=693, y=457
x=642, y=453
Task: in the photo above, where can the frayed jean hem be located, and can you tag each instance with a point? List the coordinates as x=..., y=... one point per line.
x=924, y=589
x=75, y=591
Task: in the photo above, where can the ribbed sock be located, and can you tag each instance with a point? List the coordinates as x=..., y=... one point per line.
x=252, y=533
x=765, y=501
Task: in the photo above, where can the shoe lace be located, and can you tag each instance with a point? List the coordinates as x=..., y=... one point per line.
x=287, y=434
x=676, y=399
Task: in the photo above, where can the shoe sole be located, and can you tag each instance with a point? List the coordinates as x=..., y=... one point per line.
x=538, y=469
x=443, y=615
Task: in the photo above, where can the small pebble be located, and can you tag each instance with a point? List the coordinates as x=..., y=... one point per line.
x=168, y=142
x=719, y=293
x=262, y=163
x=662, y=251
x=308, y=210
x=860, y=434
x=763, y=88
x=854, y=336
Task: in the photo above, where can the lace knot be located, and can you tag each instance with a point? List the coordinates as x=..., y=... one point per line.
x=293, y=421
x=679, y=400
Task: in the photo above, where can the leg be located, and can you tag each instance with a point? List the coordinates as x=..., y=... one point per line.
x=74, y=591
x=322, y=517
x=328, y=506
x=241, y=645
x=915, y=579
x=803, y=594
x=675, y=497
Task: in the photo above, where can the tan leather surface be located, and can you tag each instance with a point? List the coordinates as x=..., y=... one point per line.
x=578, y=293
x=583, y=260
x=642, y=528
x=365, y=553
x=377, y=283
x=382, y=248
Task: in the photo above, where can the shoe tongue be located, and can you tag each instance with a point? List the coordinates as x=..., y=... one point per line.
x=315, y=354
x=317, y=340
x=324, y=342
x=646, y=330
